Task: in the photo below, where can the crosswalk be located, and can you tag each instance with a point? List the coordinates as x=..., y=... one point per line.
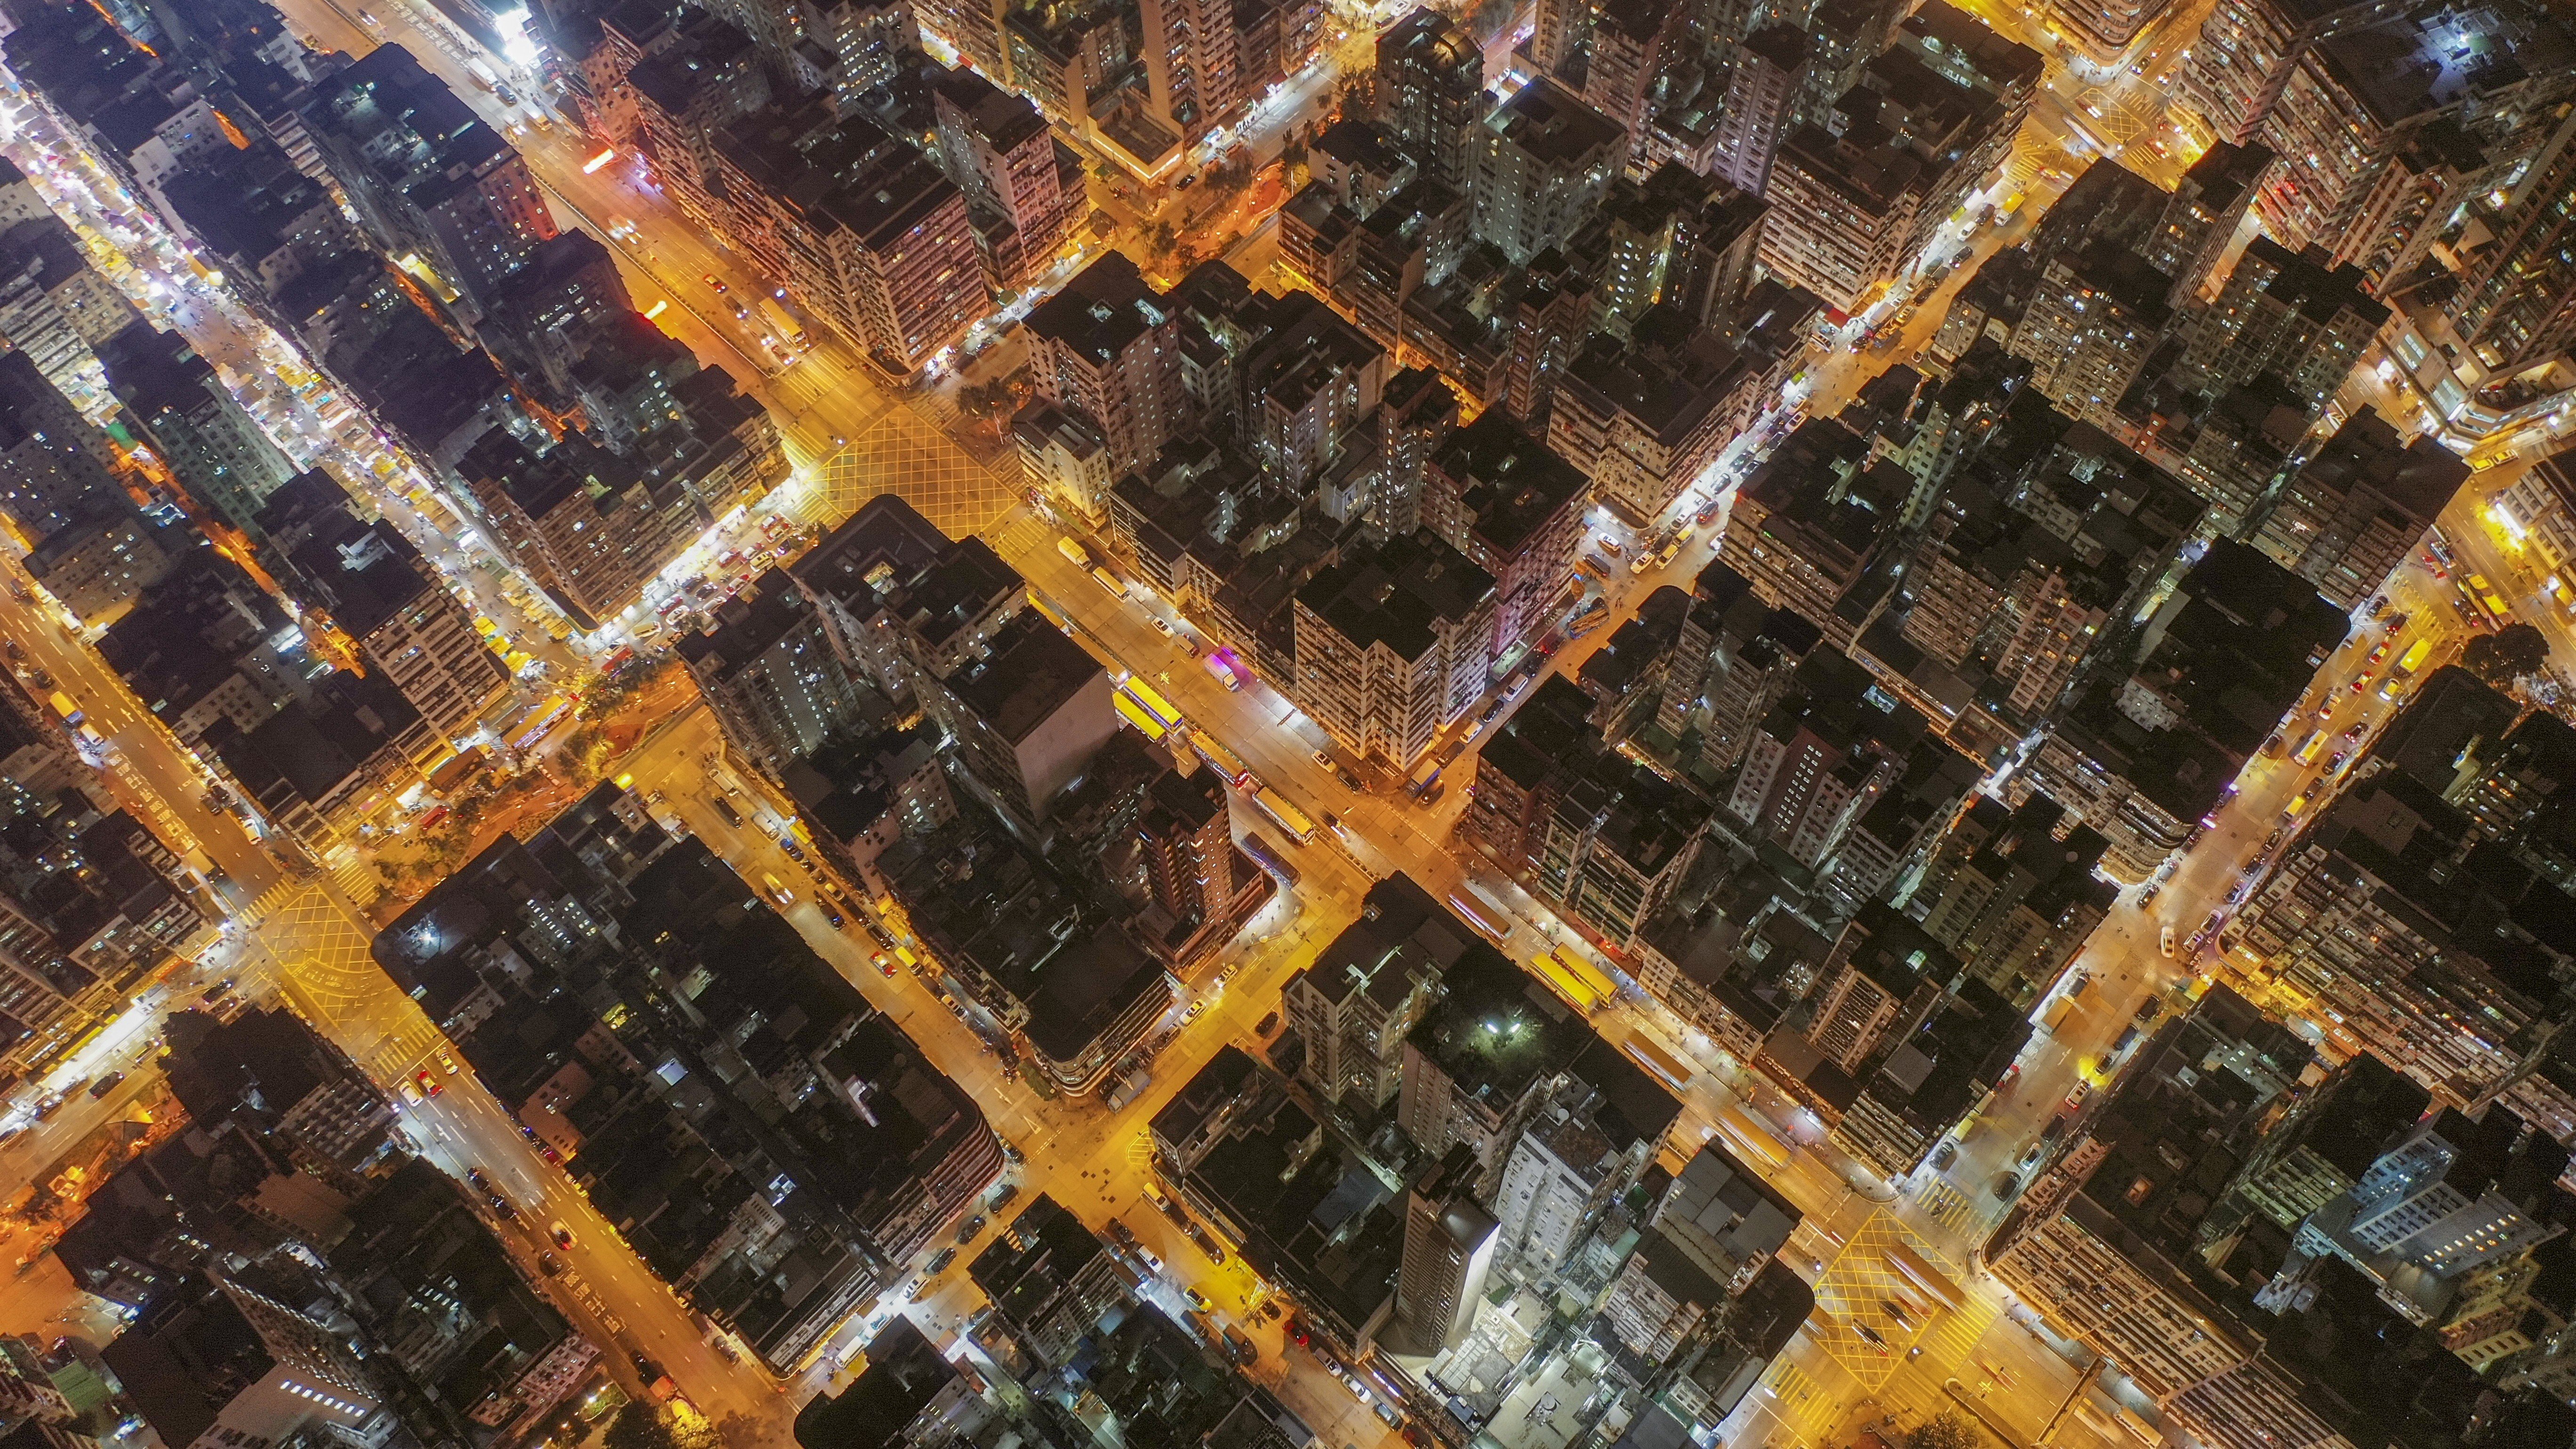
x=1950, y=1208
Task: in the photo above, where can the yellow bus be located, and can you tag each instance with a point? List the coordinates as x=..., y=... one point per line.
x=1286, y=816
x=1565, y=983
x=1660, y=1062
x=1152, y=702
x=1225, y=760
x=1909, y=1265
x=1750, y=1140
x=1137, y=715
x=1591, y=976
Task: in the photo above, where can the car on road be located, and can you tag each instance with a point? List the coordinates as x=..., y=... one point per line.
x=940, y=1260
x=1942, y=1158
x=1321, y=758
x=2006, y=1184
x=1207, y=1242
x=562, y=1235
x=2030, y=1156
x=447, y=1062
x=426, y=1082
x=2165, y=940
x=549, y=1264
x=713, y=281
x=967, y=1230
x=1003, y=1194
x=1161, y=626
x=2075, y=1099
x=475, y=1176
x=1197, y=1299
x=501, y=1205
x=106, y=1084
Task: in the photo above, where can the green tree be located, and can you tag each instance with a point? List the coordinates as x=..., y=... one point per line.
x=640, y=1425
x=1944, y=1430
x=2506, y=655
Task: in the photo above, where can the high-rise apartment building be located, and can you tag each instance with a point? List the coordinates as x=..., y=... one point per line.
x=1393, y=644
x=1885, y=977
x=1841, y=211
x=768, y=671
x=1647, y=418
x=1109, y=347
x=2377, y=911
x=1557, y=40
x=703, y=77
x=1022, y=197
x=427, y=177
x=1203, y=888
x=1450, y=1241
x=866, y=231
x=2309, y=84
x=1545, y=159
x=2201, y=217
x=2518, y=301
x=1027, y=716
x=1354, y=1004
x=2347, y=517
x=2147, y=748
x=1193, y=71
x=2094, y=320
x=53, y=472
x=1812, y=522
x=1578, y=1149
x=184, y=413
x=1431, y=97
x=2320, y=1147
x=1513, y=507
x=1762, y=88
x=1050, y=1279
x=2012, y=901
x=55, y=308
x=373, y=585
x=1632, y=48
x=2286, y=315
x=587, y=524
x=2104, y=32
x=1819, y=758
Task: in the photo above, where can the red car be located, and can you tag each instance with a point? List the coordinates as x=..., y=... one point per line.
x=428, y=1083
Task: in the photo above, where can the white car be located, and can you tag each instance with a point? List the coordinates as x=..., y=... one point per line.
x=2165, y=941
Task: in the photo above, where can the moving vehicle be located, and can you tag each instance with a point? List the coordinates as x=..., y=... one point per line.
x=1107, y=580
x=776, y=892
x=1267, y=856
x=2309, y=744
x=1476, y=919
x=2405, y=667
x=1283, y=814
x=1074, y=553
x=2055, y=1017
x=725, y=808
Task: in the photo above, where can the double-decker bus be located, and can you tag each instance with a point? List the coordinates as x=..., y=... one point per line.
x=1283, y=814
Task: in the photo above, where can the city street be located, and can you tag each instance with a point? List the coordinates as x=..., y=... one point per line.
x=296, y=931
